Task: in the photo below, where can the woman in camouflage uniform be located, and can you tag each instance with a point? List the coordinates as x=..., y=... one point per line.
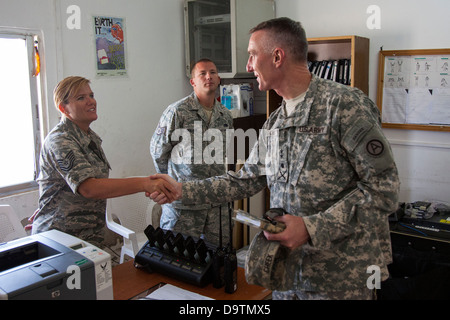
x=74, y=171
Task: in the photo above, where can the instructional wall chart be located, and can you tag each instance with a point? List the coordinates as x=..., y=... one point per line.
x=415, y=88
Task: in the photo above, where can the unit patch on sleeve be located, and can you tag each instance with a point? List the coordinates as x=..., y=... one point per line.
x=375, y=147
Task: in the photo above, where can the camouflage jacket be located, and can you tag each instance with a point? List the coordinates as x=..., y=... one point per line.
x=182, y=147
x=330, y=163
x=68, y=157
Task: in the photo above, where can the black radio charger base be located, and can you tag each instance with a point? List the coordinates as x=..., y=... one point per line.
x=191, y=260
x=176, y=255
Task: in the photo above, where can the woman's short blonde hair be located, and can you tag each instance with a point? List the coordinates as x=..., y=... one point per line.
x=68, y=88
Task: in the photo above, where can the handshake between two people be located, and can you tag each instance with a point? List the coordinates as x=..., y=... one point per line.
x=295, y=235
x=165, y=189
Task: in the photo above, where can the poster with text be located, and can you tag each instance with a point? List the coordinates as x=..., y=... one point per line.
x=110, y=46
x=417, y=90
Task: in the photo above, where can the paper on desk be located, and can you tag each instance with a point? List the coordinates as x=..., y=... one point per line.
x=170, y=292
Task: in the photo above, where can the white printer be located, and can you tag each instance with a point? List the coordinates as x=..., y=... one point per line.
x=54, y=265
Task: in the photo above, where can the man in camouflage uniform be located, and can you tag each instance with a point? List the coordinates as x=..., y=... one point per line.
x=181, y=148
x=335, y=174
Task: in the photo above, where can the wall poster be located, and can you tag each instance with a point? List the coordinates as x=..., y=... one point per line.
x=110, y=46
x=414, y=89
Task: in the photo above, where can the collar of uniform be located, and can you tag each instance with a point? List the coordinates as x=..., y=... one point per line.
x=83, y=137
x=196, y=106
x=300, y=116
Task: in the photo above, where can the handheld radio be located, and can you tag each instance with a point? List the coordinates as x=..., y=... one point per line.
x=218, y=259
x=230, y=270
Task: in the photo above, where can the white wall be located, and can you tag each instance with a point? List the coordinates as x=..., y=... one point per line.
x=129, y=108
x=423, y=157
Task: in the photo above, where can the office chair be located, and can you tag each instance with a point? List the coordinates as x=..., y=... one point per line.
x=10, y=226
x=128, y=216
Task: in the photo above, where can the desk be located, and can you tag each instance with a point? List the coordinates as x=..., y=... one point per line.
x=129, y=281
x=420, y=269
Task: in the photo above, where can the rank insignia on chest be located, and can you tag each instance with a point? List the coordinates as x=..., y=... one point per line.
x=66, y=164
x=283, y=171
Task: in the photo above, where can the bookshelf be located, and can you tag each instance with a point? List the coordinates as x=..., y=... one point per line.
x=354, y=48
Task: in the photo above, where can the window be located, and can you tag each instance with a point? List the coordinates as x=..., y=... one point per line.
x=20, y=139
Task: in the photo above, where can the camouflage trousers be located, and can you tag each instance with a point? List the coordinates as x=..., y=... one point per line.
x=197, y=223
x=357, y=294
x=101, y=237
